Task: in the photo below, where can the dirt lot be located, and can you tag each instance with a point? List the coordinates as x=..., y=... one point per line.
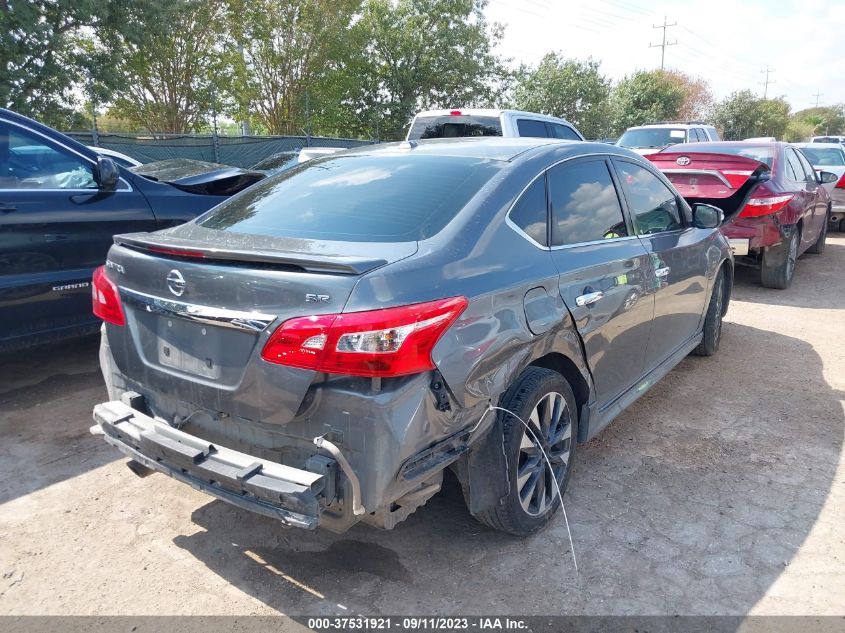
x=722, y=491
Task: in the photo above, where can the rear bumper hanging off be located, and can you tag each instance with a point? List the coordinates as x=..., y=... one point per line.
x=288, y=494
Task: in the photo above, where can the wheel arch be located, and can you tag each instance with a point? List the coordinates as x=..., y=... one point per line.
x=567, y=368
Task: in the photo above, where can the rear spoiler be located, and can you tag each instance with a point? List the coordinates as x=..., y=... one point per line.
x=337, y=264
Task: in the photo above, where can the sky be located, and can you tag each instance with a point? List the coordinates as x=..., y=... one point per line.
x=727, y=42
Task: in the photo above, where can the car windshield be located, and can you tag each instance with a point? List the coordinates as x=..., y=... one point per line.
x=383, y=198
x=652, y=137
x=454, y=126
x=763, y=154
x=825, y=156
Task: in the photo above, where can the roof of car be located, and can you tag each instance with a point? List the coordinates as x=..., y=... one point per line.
x=486, y=147
x=494, y=112
x=820, y=145
x=674, y=125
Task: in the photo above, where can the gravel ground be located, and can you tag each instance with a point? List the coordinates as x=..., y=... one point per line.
x=722, y=491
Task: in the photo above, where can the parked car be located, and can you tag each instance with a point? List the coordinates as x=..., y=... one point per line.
x=651, y=138
x=774, y=203
x=830, y=157
x=828, y=139
x=277, y=163
x=760, y=139
x=477, y=122
x=60, y=204
x=199, y=176
x=321, y=346
x=120, y=158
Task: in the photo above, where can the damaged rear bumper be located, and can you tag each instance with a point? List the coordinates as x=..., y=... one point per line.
x=291, y=495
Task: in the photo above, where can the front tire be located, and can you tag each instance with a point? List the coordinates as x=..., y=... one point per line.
x=779, y=262
x=544, y=399
x=713, y=319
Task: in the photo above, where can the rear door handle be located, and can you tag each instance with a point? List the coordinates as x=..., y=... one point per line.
x=7, y=208
x=588, y=299
x=662, y=272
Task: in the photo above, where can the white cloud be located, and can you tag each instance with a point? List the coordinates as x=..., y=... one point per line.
x=727, y=42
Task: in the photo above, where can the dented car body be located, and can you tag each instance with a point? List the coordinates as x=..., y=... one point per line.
x=322, y=346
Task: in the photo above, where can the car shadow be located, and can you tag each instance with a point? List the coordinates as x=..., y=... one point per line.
x=819, y=277
x=694, y=501
x=45, y=414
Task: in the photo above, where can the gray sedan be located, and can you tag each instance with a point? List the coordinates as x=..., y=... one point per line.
x=321, y=346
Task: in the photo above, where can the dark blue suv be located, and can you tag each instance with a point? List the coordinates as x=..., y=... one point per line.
x=60, y=205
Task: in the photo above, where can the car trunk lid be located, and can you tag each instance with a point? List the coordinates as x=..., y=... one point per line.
x=723, y=180
x=199, y=311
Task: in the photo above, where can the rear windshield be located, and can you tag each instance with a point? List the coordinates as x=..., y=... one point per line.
x=383, y=198
x=824, y=156
x=827, y=139
x=762, y=154
x=652, y=137
x=449, y=126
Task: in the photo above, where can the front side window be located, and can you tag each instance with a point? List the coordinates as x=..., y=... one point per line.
x=585, y=204
x=529, y=127
x=653, y=205
x=794, y=170
x=529, y=212
x=359, y=198
x=28, y=162
x=809, y=172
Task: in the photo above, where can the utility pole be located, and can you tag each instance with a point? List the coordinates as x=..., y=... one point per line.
x=663, y=46
x=818, y=96
x=768, y=71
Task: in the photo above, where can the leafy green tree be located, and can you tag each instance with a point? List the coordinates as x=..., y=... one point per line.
x=738, y=115
x=170, y=78
x=824, y=120
x=569, y=88
x=798, y=131
x=423, y=54
x=53, y=50
x=289, y=59
x=774, y=118
x=698, y=100
x=645, y=97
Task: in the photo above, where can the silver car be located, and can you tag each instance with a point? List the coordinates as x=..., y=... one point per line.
x=320, y=347
x=830, y=157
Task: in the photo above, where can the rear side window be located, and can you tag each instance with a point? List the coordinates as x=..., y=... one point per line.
x=585, y=204
x=529, y=127
x=564, y=132
x=529, y=212
x=454, y=126
x=653, y=205
x=381, y=198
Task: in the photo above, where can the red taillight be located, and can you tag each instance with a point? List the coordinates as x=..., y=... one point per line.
x=106, y=298
x=841, y=183
x=389, y=342
x=455, y=112
x=175, y=252
x=764, y=202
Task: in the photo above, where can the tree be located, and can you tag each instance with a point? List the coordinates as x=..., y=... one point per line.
x=645, y=97
x=698, y=100
x=170, y=77
x=569, y=88
x=423, y=54
x=287, y=55
x=774, y=117
x=49, y=49
x=824, y=120
x=743, y=114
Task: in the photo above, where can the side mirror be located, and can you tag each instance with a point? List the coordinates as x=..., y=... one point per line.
x=826, y=177
x=107, y=173
x=706, y=216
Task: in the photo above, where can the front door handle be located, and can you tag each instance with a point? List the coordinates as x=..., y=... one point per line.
x=588, y=299
x=662, y=272
x=7, y=208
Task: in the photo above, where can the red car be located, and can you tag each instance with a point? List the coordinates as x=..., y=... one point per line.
x=774, y=203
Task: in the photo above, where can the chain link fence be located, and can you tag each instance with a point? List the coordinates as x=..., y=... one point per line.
x=239, y=151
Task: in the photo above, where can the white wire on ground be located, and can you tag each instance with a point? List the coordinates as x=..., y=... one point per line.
x=548, y=461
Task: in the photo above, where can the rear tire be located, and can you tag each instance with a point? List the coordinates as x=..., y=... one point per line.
x=818, y=246
x=544, y=399
x=779, y=261
x=713, y=319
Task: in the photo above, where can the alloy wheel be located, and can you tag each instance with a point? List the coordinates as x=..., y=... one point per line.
x=551, y=425
x=793, y=254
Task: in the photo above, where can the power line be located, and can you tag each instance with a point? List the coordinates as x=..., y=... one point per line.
x=768, y=71
x=663, y=46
